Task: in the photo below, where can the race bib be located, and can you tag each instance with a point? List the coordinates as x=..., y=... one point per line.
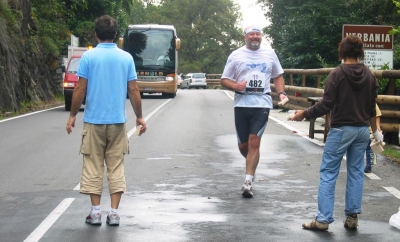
x=255, y=83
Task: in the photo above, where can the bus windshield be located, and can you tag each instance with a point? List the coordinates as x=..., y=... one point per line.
x=151, y=49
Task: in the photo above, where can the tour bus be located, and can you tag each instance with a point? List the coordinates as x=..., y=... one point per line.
x=154, y=49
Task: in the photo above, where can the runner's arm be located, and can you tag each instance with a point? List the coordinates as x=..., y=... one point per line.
x=233, y=86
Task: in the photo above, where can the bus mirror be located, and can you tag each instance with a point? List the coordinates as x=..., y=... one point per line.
x=178, y=43
x=120, y=42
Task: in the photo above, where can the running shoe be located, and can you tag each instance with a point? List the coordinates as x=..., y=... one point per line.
x=94, y=219
x=247, y=190
x=113, y=219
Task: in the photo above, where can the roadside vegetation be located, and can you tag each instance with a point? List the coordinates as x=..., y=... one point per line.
x=209, y=32
x=313, y=28
x=28, y=107
x=393, y=153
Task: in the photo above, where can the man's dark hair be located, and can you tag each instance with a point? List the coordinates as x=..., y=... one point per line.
x=106, y=27
x=351, y=46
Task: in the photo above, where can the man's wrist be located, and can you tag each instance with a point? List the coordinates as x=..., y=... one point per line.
x=284, y=93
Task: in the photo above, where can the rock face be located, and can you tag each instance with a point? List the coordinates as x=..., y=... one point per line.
x=26, y=73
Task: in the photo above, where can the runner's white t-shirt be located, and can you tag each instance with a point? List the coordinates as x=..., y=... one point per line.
x=257, y=67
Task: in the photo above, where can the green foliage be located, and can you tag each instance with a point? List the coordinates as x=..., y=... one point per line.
x=7, y=13
x=392, y=153
x=207, y=29
x=312, y=27
x=384, y=81
x=58, y=19
x=49, y=46
x=85, y=31
x=82, y=14
x=324, y=64
x=49, y=17
x=396, y=31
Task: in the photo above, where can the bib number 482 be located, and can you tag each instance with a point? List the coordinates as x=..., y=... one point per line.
x=255, y=84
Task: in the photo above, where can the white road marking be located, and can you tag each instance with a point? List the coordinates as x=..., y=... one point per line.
x=393, y=191
x=77, y=187
x=159, y=158
x=132, y=131
x=372, y=176
x=228, y=94
x=302, y=134
x=37, y=234
x=24, y=115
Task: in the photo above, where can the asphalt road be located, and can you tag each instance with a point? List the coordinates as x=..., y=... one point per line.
x=184, y=178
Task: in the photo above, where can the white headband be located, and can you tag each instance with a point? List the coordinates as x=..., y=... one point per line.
x=253, y=29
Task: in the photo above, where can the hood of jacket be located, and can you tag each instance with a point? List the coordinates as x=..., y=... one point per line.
x=355, y=74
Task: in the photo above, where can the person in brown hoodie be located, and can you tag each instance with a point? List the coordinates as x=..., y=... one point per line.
x=350, y=95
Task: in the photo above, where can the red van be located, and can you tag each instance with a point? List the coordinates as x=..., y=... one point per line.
x=70, y=80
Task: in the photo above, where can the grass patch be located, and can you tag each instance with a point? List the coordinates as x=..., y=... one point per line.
x=28, y=107
x=392, y=153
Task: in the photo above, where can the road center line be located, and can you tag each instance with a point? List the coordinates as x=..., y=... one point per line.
x=132, y=131
x=37, y=234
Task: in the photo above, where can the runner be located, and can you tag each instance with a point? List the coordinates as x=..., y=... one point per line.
x=248, y=72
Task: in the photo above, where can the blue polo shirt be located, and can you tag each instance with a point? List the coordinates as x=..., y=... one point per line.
x=108, y=70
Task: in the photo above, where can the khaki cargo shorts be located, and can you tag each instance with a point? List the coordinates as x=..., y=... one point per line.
x=103, y=144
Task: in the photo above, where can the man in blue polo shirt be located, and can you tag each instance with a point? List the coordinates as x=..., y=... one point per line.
x=106, y=73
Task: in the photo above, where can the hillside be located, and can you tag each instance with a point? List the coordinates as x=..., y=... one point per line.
x=26, y=74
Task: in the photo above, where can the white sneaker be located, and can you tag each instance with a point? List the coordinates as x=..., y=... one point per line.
x=112, y=219
x=94, y=219
x=247, y=189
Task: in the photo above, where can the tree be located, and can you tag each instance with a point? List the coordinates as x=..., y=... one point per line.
x=58, y=19
x=207, y=28
x=301, y=30
x=83, y=13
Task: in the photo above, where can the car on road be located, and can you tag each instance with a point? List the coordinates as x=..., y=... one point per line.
x=196, y=80
x=184, y=83
x=70, y=80
x=178, y=81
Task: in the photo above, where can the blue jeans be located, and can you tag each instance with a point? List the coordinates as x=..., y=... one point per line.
x=369, y=155
x=346, y=139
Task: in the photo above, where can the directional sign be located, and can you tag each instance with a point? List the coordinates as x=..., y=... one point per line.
x=378, y=43
x=376, y=59
x=373, y=36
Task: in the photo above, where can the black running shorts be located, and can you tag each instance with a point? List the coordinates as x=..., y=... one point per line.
x=250, y=121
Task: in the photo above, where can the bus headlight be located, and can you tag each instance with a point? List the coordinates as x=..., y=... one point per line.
x=169, y=78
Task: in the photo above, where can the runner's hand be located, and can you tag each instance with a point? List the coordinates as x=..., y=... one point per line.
x=240, y=86
x=283, y=101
